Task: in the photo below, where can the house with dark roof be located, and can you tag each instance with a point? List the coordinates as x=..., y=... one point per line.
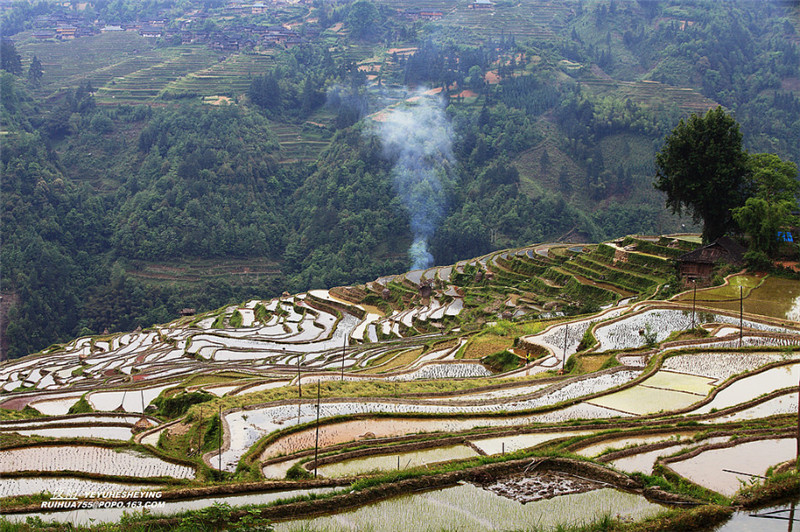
x=66, y=32
x=699, y=264
x=481, y=4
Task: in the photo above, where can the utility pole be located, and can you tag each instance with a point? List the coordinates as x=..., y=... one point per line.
x=344, y=346
x=694, y=299
x=299, y=389
x=299, y=380
x=316, y=442
x=564, y=358
x=220, y=438
x=741, y=311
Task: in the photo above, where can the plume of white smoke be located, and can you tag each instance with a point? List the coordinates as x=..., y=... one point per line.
x=418, y=136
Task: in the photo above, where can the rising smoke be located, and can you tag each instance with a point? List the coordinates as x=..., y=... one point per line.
x=418, y=137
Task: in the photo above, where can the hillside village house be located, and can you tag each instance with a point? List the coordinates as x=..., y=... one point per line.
x=699, y=264
x=481, y=4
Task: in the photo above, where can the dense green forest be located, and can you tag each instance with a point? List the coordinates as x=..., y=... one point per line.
x=127, y=197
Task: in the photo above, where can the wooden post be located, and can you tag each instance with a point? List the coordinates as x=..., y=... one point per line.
x=344, y=346
x=694, y=299
x=316, y=442
x=299, y=380
x=741, y=311
x=220, y=438
x=299, y=388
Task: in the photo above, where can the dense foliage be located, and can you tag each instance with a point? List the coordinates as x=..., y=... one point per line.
x=553, y=135
x=702, y=168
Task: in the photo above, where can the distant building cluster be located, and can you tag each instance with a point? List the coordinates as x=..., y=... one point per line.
x=423, y=14
x=65, y=26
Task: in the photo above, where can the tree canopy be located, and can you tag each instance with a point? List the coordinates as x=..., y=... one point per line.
x=702, y=168
x=775, y=188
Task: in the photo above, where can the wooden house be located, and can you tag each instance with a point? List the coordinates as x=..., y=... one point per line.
x=66, y=32
x=699, y=264
x=481, y=4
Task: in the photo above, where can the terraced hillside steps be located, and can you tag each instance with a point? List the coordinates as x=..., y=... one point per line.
x=298, y=145
x=400, y=387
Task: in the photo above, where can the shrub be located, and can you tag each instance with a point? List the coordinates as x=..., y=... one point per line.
x=236, y=319
x=757, y=260
x=81, y=407
x=502, y=361
x=179, y=404
x=298, y=472
x=219, y=323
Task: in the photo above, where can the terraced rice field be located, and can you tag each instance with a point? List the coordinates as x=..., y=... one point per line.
x=132, y=53
x=597, y=449
x=90, y=459
x=63, y=486
x=472, y=508
x=390, y=373
x=406, y=460
x=148, y=83
x=773, y=296
x=112, y=515
x=644, y=462
x=652, y=93
x=230, y=77
x=712, y=468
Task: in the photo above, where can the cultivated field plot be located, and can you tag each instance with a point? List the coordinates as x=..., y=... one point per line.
x=626, y=332
x=436, y=371
x=90, y=459
x=149, y=82
x=230, y=77
x=246, y=427
x=112, y=515
x=714, y=468
x=773, y=296
x=67, y=64
x=64, y=486
x=397, y=461
x=473, y=508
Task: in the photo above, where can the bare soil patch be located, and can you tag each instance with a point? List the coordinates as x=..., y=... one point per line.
x=526, y=488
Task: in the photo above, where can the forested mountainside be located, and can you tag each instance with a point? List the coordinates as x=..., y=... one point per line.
x=169, y=155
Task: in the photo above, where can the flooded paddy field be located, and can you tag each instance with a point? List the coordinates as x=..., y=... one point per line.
x=391, y=427
x=774, y=297
x=726, y=470
x=515, y=442
x=403, y=460
x=97, y=431
x=247, y=426
x=163, y=508
x=90, y=459
x=783, y=404
x=403, y=386
x=625, y=442
x=68, y=486
x=473, y=508
x=752, y=386
x=776, y=518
